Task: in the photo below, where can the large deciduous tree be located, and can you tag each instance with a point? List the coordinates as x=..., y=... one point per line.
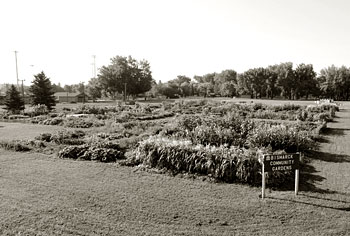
x=226, y=83
x=42, y=91
x=271, y=81
x=286, y=79
x=253, y=82
x=305, y=79
x=125, y=73
x=335, y=82
x=327, y=79
x=94, y=89
x=13, y=101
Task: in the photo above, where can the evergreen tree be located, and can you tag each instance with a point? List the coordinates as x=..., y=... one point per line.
x=13, y=102
x=42, y=91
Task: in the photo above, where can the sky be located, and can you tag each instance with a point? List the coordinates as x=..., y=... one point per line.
x=177, y=37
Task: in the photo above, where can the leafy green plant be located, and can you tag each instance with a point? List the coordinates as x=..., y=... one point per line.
x=37, y=110
x=77, y=122
x=104, y=152
x=67, y=137
x=280, y=137
x=225, y=164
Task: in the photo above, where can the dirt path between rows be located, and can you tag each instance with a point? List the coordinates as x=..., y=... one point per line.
x=331, y=164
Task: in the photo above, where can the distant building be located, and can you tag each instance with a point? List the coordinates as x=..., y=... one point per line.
x=71, y=97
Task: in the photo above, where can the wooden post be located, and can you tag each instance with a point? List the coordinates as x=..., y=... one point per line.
x=297, y=178
x=296, y=181
x=263, y=179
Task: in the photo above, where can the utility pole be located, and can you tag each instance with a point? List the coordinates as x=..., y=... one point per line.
x=94, y=68
x=16, y=69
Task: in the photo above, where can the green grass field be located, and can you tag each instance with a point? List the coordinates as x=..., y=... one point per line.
x=44, y=195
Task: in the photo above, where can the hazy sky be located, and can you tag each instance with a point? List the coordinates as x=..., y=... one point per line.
x=177, y=37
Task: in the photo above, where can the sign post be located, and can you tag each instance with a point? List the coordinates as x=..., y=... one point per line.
x=296, y=181
x=281, y=162
x=263, y=179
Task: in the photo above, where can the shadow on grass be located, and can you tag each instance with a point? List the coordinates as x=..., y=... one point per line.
x=322, y=139
x=310, y=204
x=308, y=180
x=322, y=198
x=334, y=131
x=329, y=157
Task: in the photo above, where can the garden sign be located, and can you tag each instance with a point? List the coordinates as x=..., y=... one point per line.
x=280, y=162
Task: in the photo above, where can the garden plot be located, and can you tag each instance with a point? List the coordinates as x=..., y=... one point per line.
x=224, y=140
x=48, y=196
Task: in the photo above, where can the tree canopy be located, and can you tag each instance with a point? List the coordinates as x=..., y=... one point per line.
x=13, y=101
x=125, y=73
x=42, y=91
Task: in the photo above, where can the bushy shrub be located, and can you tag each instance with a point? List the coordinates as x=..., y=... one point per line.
x=15, y=145
x=109, y=136
x=104, y=152
x=156, y=116
x=323, y=116
x=38, y=119
x=222, y=163
x=96, y=110
x=53, y=121
x=286, y=107
x=68, y=137
x=77, y=122
x=190, y=122
x=229, y=130
x=214, y=135
x=37, y=110
x=258, y=106
x=46, y=137
x=17, y=117
x=280, y=137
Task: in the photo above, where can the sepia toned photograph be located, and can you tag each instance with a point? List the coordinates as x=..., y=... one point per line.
x=175, y=117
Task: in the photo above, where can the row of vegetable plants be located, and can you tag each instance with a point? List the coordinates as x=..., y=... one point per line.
x=219, y=139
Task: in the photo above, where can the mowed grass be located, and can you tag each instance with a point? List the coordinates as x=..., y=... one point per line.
x=17, y=131
x=44, y=195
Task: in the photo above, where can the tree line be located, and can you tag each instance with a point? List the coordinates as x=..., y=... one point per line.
x=281, y=80
x=130, y=77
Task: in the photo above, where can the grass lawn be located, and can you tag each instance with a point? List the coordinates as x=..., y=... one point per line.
x=44, y=195
x=16, y=130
